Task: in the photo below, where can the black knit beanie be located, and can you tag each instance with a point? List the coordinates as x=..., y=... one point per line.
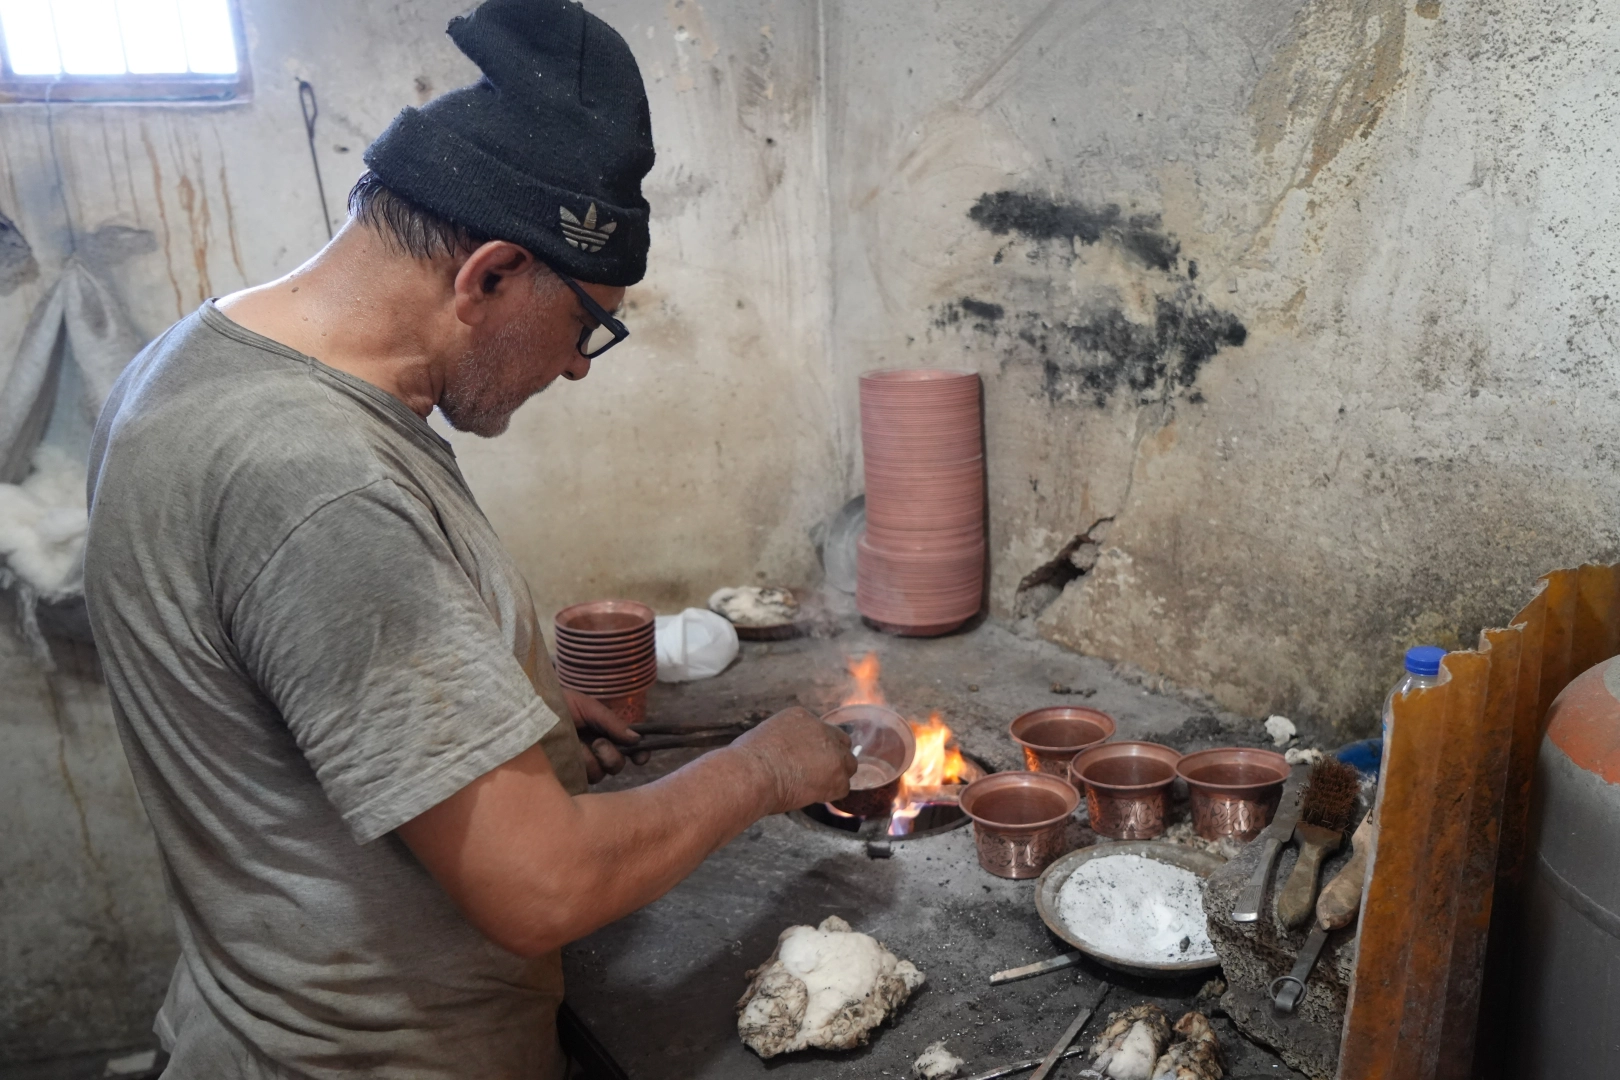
x=547, y=150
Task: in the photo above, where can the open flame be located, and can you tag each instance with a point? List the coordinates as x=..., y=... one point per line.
x=938, y=763
x=864, y=671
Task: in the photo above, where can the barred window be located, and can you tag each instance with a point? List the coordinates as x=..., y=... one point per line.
x=121, y=50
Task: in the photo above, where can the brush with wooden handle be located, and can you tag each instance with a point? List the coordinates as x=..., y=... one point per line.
x=1335, y=908
x=1325, y=811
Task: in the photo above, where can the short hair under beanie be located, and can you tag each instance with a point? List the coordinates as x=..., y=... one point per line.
x=547, y=150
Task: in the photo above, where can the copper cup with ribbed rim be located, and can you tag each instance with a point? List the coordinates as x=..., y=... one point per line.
x=1127, y=786
x=1234, y=790
x=1020, y=821
x=1051, y=737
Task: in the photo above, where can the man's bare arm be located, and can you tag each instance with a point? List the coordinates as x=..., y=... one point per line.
x=534, y=868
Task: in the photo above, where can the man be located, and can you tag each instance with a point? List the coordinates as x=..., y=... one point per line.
x=327, y=673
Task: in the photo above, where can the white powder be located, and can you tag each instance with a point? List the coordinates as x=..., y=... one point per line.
x=1137, y=910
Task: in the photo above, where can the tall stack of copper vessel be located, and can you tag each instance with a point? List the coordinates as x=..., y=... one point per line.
x=920, y=566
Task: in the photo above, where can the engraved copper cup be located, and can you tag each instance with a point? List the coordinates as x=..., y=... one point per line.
x=1020, y=821
x=1127, y=786
x=1051, y=737
x=1235, y=790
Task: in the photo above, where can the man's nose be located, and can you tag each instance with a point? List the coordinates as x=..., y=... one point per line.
x=578, y=368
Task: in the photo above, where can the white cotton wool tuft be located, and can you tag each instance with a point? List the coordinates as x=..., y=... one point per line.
x=1281, y=729
x=42, y=525
x=936, y=1063
x=824, y=987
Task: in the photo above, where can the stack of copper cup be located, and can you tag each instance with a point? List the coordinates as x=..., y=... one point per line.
x=920, y=566
x=606, y=649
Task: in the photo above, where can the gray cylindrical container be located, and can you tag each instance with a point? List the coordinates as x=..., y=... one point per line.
x=1567, y=1019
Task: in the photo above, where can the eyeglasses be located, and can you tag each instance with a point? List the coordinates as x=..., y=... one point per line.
x=608, y=331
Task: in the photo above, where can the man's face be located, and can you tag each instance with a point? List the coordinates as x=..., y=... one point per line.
x=528, y=340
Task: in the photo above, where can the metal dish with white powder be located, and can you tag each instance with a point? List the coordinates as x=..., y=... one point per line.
x=1132, y=911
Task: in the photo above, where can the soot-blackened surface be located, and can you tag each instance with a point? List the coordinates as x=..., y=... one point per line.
x=1088, y=355
x=1038, y=218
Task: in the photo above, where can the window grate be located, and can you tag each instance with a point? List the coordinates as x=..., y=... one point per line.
x=121, y=50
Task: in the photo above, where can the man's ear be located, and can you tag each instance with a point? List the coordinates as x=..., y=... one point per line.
x=488, y=276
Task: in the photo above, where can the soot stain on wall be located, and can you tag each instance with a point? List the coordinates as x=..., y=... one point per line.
x=1088, y=356
x=1004, y=212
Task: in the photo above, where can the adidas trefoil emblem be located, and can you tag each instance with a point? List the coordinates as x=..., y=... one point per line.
x=585, y=234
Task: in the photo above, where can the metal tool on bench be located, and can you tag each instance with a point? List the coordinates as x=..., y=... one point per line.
x=1335, y=908
x=682, y=736
x=1247, y=907
x=1044, y=1069
x=1040, y=967
x=1020, y=1066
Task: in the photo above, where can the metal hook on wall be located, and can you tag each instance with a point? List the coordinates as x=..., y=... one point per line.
x=306, y=101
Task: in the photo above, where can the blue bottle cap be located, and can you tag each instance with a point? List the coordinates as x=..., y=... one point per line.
x=1424, y=659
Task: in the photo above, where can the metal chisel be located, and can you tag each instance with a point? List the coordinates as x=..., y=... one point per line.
x=1278, y=833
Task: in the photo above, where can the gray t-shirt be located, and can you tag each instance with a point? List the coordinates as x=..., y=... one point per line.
x=312, y=635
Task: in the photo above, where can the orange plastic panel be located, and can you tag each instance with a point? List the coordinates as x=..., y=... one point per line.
x=1380, y=990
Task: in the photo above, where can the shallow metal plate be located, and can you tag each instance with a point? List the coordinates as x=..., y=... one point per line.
x=1046, y=894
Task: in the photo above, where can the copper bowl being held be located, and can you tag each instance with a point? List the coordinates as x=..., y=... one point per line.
x=1235, y=790
x=1020, y=821
x=883, y=746
x=1127, y=786
x=1051, y=737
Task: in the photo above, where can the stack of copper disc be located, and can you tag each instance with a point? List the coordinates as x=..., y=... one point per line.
x=605, y=648
x=920, y=566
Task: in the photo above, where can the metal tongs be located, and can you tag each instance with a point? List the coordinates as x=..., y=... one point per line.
x=682, y=736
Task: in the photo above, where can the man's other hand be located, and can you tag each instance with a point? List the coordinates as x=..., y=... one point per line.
x=808, y=760
x=593, y=720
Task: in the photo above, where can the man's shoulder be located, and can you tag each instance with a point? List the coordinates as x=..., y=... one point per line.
x=229, y=417
x=223, y=449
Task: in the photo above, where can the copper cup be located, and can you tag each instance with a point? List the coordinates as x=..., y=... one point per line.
x=604, y=620
x=884, y=748
x=1051, y=737
x=1235, y=790
x=1020, y=821
x=1127, y=786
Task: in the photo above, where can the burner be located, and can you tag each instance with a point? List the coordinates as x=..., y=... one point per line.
x=933, y=819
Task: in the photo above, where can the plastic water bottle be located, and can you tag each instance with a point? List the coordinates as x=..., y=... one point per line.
x=1422, y=669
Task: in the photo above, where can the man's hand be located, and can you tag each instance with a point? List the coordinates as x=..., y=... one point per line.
x=808, y=761
x=602, y=757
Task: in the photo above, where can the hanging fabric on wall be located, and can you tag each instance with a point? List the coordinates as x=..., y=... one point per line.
x=80, y=323
x=17, y=263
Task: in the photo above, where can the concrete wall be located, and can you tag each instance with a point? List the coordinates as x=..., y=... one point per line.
x=1295, y=317
x=698, y=454
x=85, y=939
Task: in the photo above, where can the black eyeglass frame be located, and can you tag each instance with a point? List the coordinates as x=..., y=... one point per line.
x=595, y=311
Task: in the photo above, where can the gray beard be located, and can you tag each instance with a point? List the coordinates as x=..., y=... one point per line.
x=474, y=400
